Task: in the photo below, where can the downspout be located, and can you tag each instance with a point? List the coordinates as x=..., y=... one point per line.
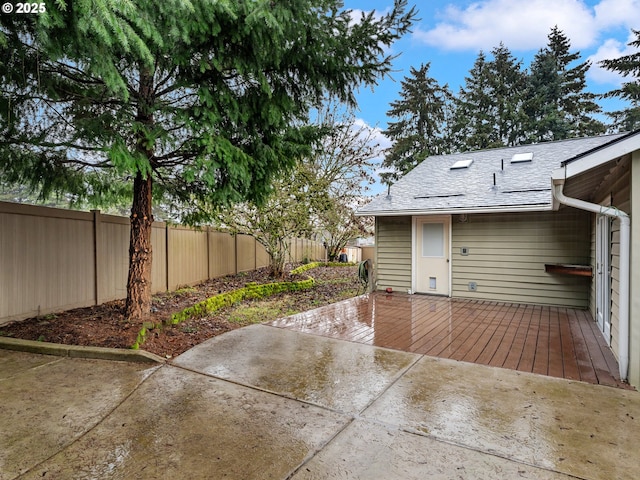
x=625, y=236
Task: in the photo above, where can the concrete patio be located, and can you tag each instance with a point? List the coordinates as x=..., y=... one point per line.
x=263, y=402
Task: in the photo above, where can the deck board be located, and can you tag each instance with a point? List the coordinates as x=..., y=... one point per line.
x=554, y=341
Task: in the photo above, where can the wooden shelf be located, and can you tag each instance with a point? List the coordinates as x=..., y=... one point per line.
x=567, y=269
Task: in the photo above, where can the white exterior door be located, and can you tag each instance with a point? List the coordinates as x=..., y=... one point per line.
x=603, y=276
x=432, y=255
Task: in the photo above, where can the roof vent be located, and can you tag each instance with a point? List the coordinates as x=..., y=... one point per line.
x=522, y=157
x=528, y=190
x=445, y=195
x=461, y=164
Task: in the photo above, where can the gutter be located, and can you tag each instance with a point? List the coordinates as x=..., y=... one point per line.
x=625, y=257
x=455, y=211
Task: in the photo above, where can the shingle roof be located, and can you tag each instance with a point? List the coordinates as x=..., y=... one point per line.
x=433, y=187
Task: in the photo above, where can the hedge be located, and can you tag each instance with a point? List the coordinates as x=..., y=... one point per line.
x=215, y=303
x=250, y=291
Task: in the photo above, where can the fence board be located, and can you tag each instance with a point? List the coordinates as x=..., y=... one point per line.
x=112, y=256
x=246, y=253
x=262, y=257
x=46, y=262
x=188, y=263
x=159, y=278
x=222, y=254
x=54, y=259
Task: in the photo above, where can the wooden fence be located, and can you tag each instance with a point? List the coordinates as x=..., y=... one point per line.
x=53, y=260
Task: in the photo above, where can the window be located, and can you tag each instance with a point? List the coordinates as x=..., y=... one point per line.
x=433, y=240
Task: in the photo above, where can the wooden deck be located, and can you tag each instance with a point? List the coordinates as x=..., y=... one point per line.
x=553, y=341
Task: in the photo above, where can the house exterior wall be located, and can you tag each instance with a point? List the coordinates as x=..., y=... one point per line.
x=507, y=254
x=393, y=253
x=615, y=190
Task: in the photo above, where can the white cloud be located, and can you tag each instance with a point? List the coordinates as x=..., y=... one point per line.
x=617, y=13
x=609, y=50
x=376, y=133
x=519, y=24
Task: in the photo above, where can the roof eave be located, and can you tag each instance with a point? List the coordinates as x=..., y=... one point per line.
x=592, y=159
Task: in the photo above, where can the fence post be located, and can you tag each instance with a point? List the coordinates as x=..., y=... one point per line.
x=208, y=254
x=235, y=241
x=97, y=253
x=166, y=256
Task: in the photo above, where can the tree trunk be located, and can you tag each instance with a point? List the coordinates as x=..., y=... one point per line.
x=332, y=253
x=138, y=303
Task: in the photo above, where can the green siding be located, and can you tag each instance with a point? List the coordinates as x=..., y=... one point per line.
x=615, y=190
x=393, y=253
x=507, y=254
x=621, y=198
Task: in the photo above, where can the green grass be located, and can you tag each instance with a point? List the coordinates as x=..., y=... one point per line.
x=261, y=311
x=255, y=303
x=183, y=290
x=349, y=293
x=251, y=291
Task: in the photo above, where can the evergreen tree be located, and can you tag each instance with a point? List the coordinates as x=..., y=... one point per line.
x=473, y=121
x=558, y=105
x=488, y=109
x=507, y=86
x=544, y=119
x=628, y=66
x=575, y=102
x=418, y=131
x=195, y=103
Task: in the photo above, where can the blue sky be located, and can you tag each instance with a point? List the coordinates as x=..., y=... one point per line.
x=450, y=34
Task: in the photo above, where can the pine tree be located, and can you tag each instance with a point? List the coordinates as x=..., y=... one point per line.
x=507, y=85
x=558, y=105
x=193, y=103
x=628, y=66
x=488, y=109
x=418, y=131
x=575, y=102
x=544, y=119
x=473, y=120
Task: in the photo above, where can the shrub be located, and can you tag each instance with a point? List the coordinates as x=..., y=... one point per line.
x=215, y=303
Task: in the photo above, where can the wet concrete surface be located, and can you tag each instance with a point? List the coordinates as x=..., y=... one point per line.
x=183, y=425
x=263, y=402
x=48, y=403
x=310, y=368
x=571, y=427
x=367, y=451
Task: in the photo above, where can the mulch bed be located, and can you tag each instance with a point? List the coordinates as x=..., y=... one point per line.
x=105, y=326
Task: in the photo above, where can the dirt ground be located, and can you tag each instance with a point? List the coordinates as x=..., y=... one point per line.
x=105, y=326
